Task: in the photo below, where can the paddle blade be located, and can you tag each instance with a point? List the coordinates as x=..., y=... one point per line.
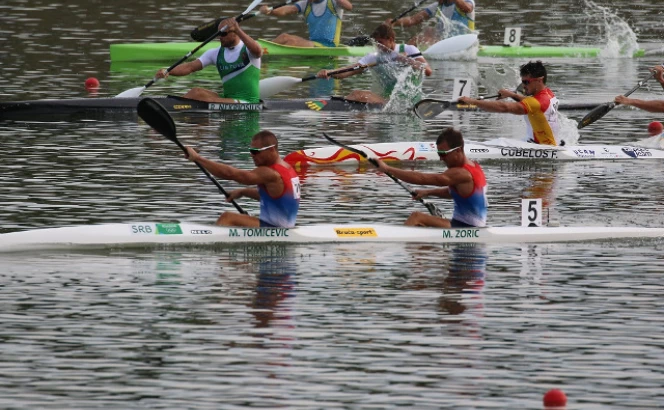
x=132, y=92
x=596, y=113
x=275, y=85
x=359, y=41
x=429, y=108
x=450, y=45
x=204, y=31
x=156, y=116
x=252, y=6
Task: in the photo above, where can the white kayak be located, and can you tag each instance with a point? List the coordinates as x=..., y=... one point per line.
x=145, y=234
x=497, y=149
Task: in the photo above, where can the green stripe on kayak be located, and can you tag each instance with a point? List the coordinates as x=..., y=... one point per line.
x=173, y=51
x=543, y=51
x=274, y=49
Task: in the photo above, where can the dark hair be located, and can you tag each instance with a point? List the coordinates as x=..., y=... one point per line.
x=384, y=31
x=534, y=69
x=265, y=138
x=452, y=137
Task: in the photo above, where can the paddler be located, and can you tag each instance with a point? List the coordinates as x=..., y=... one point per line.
x=238, y=61
x=387, y=65
x=647, y=105
x=539, y=105
x=323, y=19
x=463, y=181
x=278, y=186
x=460, y=14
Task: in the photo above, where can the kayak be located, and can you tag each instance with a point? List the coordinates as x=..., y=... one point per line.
x=121, y=108
x=497, y=149
x=173, y=51
x=544, y=51
x=150, y=234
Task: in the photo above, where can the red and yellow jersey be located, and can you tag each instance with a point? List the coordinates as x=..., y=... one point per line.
x=542, y=112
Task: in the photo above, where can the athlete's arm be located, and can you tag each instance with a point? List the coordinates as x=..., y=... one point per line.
x=646, y=105
x=439, y=192
x=496, y=106
x=252, y=45
x=412, y=20
x=181, y=70
x=451, y=177
x=281, y=11
x=345, y=4
x=464, y=6
x=259, y=175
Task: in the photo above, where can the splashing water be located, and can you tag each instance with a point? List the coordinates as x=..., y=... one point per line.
x=406, y=91
x=618, y=38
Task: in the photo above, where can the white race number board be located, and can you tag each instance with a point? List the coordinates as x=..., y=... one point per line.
x=531, y=212
x=512, y=36
x=462, y=88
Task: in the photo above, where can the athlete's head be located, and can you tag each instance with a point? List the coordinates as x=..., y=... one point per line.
x=385, y=35
x=450, y=147
x=533, y=77
x=229, y=37
x=264, y=148
x=534, y=69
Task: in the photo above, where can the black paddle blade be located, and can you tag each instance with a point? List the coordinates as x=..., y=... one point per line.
x=359, y=41
x=429, y=108
x=204, y=31
x=156, y=116
x=596, y=113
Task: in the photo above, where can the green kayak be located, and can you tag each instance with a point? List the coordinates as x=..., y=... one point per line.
x=174, y=51
x=543, y=51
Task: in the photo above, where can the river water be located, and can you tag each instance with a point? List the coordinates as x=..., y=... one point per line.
x=334, y=326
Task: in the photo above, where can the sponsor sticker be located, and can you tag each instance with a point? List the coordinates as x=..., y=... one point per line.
x=168, y=229
x=424, y=147
x=635, y=152
x=200, y=232
x=585, y=153
x=356, y=232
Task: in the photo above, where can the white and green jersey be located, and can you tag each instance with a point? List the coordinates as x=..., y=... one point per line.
x=389, y=73
x=239, y=71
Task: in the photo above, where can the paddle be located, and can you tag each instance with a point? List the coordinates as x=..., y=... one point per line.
x=275, y=85
x=433, y=210
x=156, y=116
x=603, y=109
x=204, y=31
x=136, y=92
x=429, y=108
x=364, y=40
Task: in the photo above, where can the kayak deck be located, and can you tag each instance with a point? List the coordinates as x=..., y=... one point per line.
x=125, y=52
x=497, y=149
x=141, y=234
x=123, y=108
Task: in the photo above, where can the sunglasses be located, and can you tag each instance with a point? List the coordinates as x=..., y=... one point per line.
x=254, y=151
x=442, y=153
x=225, y=33
x=526, y=82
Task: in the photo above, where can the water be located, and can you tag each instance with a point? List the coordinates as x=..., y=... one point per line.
x=308, y=326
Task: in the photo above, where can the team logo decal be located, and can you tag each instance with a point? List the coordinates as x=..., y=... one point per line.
x=316, y=105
